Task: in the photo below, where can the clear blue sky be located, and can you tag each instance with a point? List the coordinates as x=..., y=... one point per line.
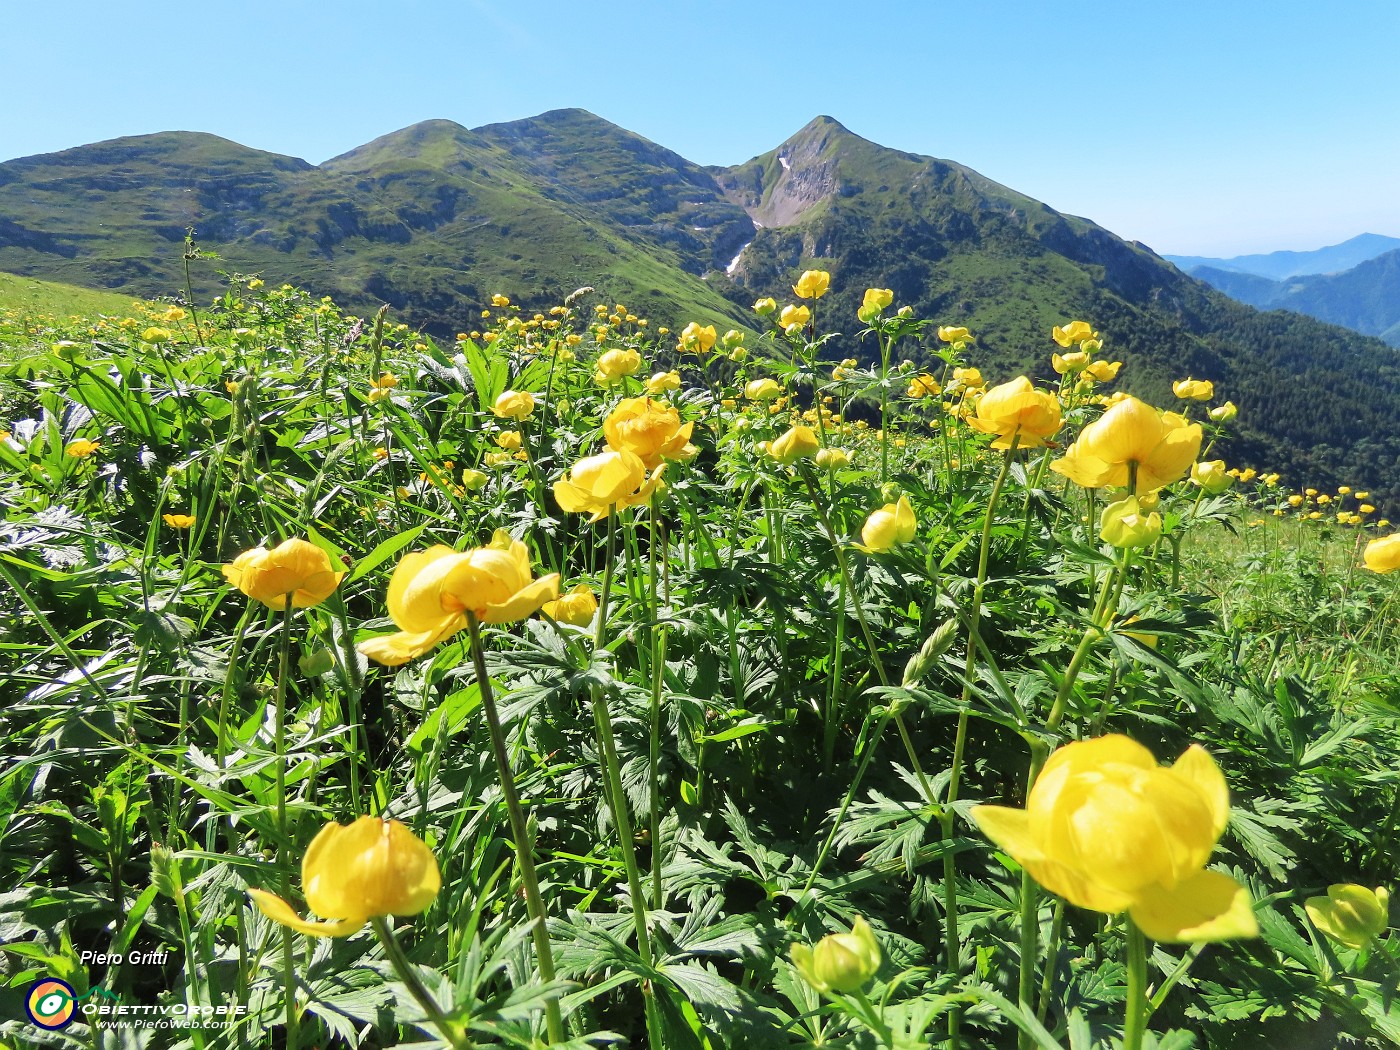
x=1197, y=126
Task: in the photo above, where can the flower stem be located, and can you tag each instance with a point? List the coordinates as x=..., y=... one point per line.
x=1135, y=1017
x=284, y=862
x=519, y=830
x=408, y=973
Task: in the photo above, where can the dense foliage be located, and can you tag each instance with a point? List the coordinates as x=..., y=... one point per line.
x=816, y=629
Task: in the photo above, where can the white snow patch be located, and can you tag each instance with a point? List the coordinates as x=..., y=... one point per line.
x=734, y=264
x=784, y=162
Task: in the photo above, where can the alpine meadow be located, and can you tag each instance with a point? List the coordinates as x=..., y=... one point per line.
x=517, y=587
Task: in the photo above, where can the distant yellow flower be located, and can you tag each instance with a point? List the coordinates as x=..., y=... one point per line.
x=764, y=307
x=650, y=430
x=614, y=478
x=841, y=962
x=923, y=385
x=888, y=527
x=1103, y=371
x=1074, y=332
x=357, y=872
x=1350, y=914
x=1194, y=389
x=255, y=283
x=1108, y=829
x=155, y=335
x=953, y=334
x=1019, y=415
x=294, y=567
x=1363, y=495
x=178, y=521
x=762, y=389
x=500, y=300
x=174, y=313
x=799, y=442
x=82, y=448
x=969, y=378
x=874, y=303
x=578, y=607
x=812, y=284
x=1077, y=361
x=794, y=318
x=1383, y=555
x=514, y=404
x=1366, y=508
x=660, y=382
x=696, y=339
x=615, y=365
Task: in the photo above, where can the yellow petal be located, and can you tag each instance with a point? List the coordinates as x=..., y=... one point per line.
x=524, y=602
x=279, y=911
x=1010, y=829
x=395, y=649
x=1209, y=906
x=1199, y=769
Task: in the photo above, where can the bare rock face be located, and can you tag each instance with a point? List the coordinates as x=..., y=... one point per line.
x=778, y=188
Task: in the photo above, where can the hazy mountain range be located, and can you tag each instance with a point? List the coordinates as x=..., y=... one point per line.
x=435, y=218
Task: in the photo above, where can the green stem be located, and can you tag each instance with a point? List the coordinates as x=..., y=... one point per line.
x=408, y=973
x=284, y=860
x=519, y=830
x=1135, y=1018
x=617, y=801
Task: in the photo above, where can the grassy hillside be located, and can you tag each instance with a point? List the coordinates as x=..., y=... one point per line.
x=28, y=299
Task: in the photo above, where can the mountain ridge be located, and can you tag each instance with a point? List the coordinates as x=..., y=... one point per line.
x=435, y=217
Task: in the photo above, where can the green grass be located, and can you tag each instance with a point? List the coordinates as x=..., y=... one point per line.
x=32, y=300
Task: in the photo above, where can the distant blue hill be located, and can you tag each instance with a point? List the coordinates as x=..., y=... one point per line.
x=1279, y=266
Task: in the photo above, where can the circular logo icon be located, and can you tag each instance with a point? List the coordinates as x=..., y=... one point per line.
x=51, y=1003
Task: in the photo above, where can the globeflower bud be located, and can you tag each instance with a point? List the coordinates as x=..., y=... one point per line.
x=798, y=443
x=1351, y=915
x=576, y=608
x=888, y=527
x=764, y=307
x=762, y=390
x=952, y=334
x=833, y=458
x=794, y=316
x=661, y=382
x=1224, y=413
x=841, y=962
x=1124, y=525
x=1194, y=389
x=1212, y=476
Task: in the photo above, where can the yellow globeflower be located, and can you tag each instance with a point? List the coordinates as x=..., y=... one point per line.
x=696, y=339
x=874, y=303
x=650, y=430
x=794, y=318
x=357, y=872
x=82, y=448
x=616, y=365
x=156, y=335
x=1160, y=445
x=1108, y=829
x=432, y=591
x=923, y=385
x=178, y=521
x=1351, y=914
x=888, y=527
x=500, y=300
x=1077, y=361
x=1383, y=555
x=841, y=962
x=577, y=607
x=615, y=478
x=833, y=458
x=514, y=404
x=1019, y=415
x=1103, y=371
x=1072, y=333
x=293, y=567
x=812, y=284
x=762, y=389
x=1224, y=413
x=660, y=382
x=764, y=307
x=1194, y=389
x=799, y=442
x=969, y=378
x=953, y=334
